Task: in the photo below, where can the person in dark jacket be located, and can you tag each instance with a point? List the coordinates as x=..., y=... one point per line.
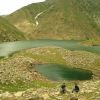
x=63, y=88
x=76, y=88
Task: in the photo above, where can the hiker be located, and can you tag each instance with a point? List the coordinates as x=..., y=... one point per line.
x=63, y=88
x=76, y=88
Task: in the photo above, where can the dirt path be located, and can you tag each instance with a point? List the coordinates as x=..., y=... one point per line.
x=37, y=16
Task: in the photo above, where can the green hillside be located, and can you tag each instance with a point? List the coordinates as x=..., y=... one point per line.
x=60, y=19
x=8, y=32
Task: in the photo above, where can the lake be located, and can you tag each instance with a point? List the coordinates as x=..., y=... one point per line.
x=58, y=72
x=8, y=48
x=53, y=71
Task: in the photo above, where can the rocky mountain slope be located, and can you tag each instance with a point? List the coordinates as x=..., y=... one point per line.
x=20, y=81
x=17, y=69
x=88, y=91
x=8, y=32
x=56, y=19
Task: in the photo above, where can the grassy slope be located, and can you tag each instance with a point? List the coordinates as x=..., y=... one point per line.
x=80, y=59
x=24, y=20
x=8, y=32
x=67, y=19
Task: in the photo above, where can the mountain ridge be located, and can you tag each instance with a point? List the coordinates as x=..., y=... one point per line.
x=69, y=19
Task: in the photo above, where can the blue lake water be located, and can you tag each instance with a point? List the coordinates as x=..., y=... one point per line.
x=8, y=48
x=62, y=72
